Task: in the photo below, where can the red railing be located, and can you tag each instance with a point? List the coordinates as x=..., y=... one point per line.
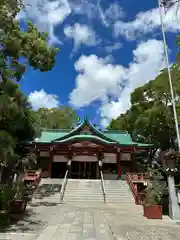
x=141, y=177
x=132, y=188
x=33, y=175
x=133, y=179
x=140, y=198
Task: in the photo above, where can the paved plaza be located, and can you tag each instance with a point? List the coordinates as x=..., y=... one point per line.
x=89, y=222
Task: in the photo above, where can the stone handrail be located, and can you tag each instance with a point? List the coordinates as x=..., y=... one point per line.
x=102, y=185
x=63, y=188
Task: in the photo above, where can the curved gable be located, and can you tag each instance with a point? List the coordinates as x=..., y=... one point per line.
x=85, y=128
x=81, y=138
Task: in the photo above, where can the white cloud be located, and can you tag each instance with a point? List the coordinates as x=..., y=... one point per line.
x=99, y=79
x=81, y=34
x=114, y=12
x=84, y=7
x=47, y=14
x=113, y=47
x=148, y=60
x=147, y=22
x=111, y=14
x=41, y=99
x=93, y=10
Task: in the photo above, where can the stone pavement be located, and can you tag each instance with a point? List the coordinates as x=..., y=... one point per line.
x=17, y=236
x=83, y=221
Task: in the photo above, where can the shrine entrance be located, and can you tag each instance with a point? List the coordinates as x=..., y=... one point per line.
x=84, y=170
x=58, y=169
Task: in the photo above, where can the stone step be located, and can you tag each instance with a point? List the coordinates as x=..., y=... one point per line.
x=81, y=197
x=117, y=197
x=91, y=191
x=111, y=188
x=118, y=192
x=84, y=189
x=83, y=200
x=122, y=198
x=79, y=194
x=85, y=195
x=118, y=187
x=65, y=198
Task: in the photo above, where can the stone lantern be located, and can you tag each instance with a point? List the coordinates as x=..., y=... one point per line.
x=169, y=160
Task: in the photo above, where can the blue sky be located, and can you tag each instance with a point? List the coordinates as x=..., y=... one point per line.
x=107, y=49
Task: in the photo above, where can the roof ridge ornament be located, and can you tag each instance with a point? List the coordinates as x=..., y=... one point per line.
x=86, y=120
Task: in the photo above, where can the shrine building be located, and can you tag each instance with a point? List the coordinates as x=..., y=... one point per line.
x=86, y=149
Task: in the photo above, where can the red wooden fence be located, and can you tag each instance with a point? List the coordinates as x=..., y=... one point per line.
x=133, y=179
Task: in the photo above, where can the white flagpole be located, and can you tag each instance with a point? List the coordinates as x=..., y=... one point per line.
x=174, y=210
x=169, y=74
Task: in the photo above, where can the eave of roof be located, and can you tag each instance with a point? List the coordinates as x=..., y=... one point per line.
x=121, y=138
x=144, y=145
x=84, y=137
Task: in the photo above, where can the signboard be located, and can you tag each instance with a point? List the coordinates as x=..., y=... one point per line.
x=125, y=157
x=84, y=158
x=44, y=154
x=109, y=158
x=59, y=158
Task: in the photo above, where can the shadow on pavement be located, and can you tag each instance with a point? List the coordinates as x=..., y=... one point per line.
x=47, y=190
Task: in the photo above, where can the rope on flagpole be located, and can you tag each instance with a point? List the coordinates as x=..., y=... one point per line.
x=169, y=73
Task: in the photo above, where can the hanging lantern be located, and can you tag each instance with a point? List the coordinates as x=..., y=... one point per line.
x=169, y=161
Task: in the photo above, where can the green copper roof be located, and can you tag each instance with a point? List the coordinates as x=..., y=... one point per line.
x=122, y=137
x=83, y=137
x=107, y=137
x=47, y=136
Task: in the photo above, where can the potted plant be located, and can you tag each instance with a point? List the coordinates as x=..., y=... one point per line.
x=18, y=204
x=154, y=197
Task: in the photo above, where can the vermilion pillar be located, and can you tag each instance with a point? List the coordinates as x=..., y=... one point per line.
x=118, y=157
x=49, y=169
x=133, y=162
x=50, y=161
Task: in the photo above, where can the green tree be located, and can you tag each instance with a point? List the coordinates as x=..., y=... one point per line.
x=16, y=123
x=56, y=118
x=20, y=48
x=150, y=118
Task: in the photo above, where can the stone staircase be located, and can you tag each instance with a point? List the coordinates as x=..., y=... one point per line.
x=83, y=190
x=48, y=191
x=117, y=191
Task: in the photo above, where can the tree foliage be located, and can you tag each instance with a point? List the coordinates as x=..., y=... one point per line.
x=56, y=118
x=16, y=122
x=150, y=118
x=19, y=48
